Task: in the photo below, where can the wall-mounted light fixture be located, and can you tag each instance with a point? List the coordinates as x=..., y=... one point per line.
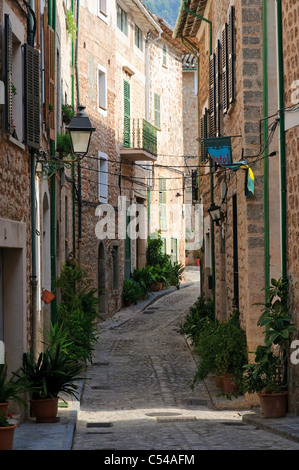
x=216, y=213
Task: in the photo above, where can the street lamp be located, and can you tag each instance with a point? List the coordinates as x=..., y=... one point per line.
x=80, y=131
x=215, y=213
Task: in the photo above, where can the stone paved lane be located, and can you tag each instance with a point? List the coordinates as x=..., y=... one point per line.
x=137, y=397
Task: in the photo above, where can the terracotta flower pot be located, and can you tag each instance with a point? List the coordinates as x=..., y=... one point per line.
x=45, y=410
x=228, y=385
x=3, y=407
x=273, y=405
x=155, y=287
x=6, y=437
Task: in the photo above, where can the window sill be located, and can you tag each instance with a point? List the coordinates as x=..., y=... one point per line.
x=16, y=142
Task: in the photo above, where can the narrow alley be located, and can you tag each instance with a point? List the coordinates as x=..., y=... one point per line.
x=137, y=396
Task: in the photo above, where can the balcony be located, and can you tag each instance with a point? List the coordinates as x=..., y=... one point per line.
x=138, y=140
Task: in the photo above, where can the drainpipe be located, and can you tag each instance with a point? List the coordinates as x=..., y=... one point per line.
x=73, y=165
x=52, y=23
x=34, y=280
x=266, y=161
x=282, y=141
x=211, y=177
x=79, y=166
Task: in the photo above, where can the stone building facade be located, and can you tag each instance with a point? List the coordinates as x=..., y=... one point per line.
x=290, y=25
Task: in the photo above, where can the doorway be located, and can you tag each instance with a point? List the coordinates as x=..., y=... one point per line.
x=102, y=277
x=235, y=252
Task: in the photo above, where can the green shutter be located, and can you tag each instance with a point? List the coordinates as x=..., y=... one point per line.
x=127, y=249
x=163, y=246
x=32, y=96
x=162, y=204
x=224, y=70
x=8, y=74
x=218, y=75
x=212, y=94
x=127, y=115
x=157, y=110
x=231, y=56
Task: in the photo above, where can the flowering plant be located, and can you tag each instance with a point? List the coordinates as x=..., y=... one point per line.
x=5, y=419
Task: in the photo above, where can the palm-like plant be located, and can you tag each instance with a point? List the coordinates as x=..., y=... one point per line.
x=10, y=388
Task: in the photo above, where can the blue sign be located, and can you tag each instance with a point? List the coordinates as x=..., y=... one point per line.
x=219, y=149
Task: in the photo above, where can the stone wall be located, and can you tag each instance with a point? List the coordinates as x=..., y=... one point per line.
x=242, y=120
x=291, y=84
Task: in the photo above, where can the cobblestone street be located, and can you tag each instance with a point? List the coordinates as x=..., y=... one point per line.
x=137, y=396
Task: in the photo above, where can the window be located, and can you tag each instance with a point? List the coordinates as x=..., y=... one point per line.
x=157, y=111
x=102, y=89
x=103, y=177
x=102, y=5
x=164, y=55
x=162, y=204
x=174, y=250
x=122, y=20
x=138, y=38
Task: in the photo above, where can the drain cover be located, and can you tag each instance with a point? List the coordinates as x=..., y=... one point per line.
x=99, y=425
x=100, y=364
x=163, y=413
x=176, y=419
x=234, y=424
x=196, y=402
x=99, y=387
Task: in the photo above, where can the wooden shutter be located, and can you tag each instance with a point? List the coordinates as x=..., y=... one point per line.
x=49, y=77
x=8, y=74
x=127, y=115
x=203, y=134
x=218, y=97
x=157, y=110
x=224, y=70
x=212, y=94
x=32, y=96
x=231, y=56
x=51, y=46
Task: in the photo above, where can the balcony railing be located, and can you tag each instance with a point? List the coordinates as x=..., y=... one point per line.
x=138, y=135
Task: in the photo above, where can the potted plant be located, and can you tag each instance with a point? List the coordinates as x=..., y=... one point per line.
x=131, y=292
x=6, y=431
x=67, y=112
x=9, y=389
x=197, y=256
x=267, y=376
x=52, y=373
x=231, y=355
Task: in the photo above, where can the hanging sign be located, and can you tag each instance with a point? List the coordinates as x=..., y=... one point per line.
x=249, y=178
x=219, y=149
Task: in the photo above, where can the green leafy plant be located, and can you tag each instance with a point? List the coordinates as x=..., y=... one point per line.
x=78, y=310
x=221, y=349
x=53, y=372
x=10, y=389
x=132, y=291
x=63, y=144
x=268, y=371
x=71, y=26
x=201, y=309
x=67, y=112
x=145, y=277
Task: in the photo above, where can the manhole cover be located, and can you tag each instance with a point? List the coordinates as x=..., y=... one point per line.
x=163, y=413
x=99, y=425
x=196, y=402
